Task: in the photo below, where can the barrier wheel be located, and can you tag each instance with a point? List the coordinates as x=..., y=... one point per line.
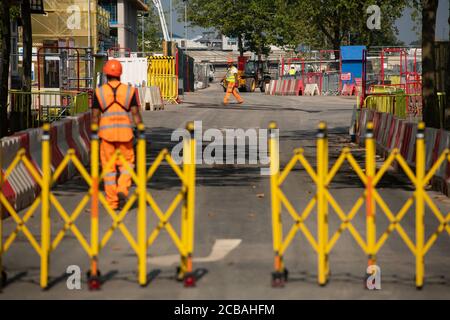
x=4, y=278
x=179, y=275
x=278, y=279
x=94, y=282
x=189, y=280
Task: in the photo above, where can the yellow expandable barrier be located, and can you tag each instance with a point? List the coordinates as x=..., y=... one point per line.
x=162, y=73
x=323, y=200
x=95, y=242
x=400, y=104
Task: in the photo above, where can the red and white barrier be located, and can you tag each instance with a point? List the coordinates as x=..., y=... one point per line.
x=391, y=133
x=312, y=89
x=58, y=153
x=299, y=88
x=85, y=135
x=444, y=143
x=393, y=127
x=285, y=87
x=20, y=188
x=71, y=141
x=80, y=139
x=35, y=136
x=383, y=136
x=348, y=90
x=150, y=98
x=273, y=87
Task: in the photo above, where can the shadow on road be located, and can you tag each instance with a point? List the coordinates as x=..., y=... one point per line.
x=347, y=277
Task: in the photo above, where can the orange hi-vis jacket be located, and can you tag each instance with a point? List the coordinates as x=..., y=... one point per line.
x=116, y=120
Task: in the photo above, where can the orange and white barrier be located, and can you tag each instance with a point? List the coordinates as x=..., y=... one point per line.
x=150, y=98
x=348, y=90
x=391, y=132
x=312, y=89
x=73, y=132
x=20, y=181
x=285, y=87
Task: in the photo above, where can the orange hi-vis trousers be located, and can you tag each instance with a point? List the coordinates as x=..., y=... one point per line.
x=114, y=185
x=231, y=89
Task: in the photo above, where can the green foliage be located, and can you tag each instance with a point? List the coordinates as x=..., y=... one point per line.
x=14, y=12
x=152, y=32
x=336, y=21
x=288, y=23
x=248, y=19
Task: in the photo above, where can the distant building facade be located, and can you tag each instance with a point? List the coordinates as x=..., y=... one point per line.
x=112, y=23
x=123, y=22
x=214, y=40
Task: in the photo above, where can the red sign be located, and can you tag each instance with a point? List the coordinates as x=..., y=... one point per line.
x=346, y=76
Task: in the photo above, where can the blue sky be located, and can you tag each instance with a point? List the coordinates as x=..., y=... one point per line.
x=404, y=24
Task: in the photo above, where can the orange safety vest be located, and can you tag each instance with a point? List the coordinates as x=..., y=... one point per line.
x=116, y=121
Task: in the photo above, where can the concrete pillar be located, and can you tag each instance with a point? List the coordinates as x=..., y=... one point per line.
x=133, y=32
x=121, y=23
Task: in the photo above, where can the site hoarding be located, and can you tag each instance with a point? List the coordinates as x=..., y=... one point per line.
x=68, y=19
x=66, y=24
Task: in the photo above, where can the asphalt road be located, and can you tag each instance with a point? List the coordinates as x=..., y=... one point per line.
x=233, y=204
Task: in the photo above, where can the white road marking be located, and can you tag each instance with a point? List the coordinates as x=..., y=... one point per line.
x=221, y=248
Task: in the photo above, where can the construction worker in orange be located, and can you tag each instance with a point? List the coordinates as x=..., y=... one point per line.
x=114, y=107
x=231, y=80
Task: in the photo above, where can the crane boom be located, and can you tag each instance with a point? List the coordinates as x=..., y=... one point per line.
x=162, y=19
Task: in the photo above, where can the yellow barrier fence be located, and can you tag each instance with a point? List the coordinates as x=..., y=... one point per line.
x=42, y=106
x=401, y=105
x=323, y=243
x=95, y=242
x=162, y=73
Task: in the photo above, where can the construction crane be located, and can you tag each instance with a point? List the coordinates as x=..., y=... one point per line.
x=162, y=18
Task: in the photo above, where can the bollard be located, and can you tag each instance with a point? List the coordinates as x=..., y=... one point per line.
x=142, y=206
x=279, y=276
x=2, y=272
x=182, y=269
x=420, y=205
x=191, y=192
x=94, y=274
x=322, y=203
x=370, y=200
x=188, y=235
x=45, y=205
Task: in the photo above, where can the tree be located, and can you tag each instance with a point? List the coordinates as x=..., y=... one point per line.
x=335, y=20
x=249, y=21
x=431, y=114
x=152, y=32
x=27, y=33
x=5, y=50
x=21, y=118
x=318, y=23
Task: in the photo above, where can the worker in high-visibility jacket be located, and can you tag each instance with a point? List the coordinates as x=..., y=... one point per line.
x=292, y=71
x=115, y=107
x=231, y=80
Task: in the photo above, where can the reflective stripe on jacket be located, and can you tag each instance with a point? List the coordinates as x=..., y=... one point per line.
x=115, y=121
x=231, y=75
